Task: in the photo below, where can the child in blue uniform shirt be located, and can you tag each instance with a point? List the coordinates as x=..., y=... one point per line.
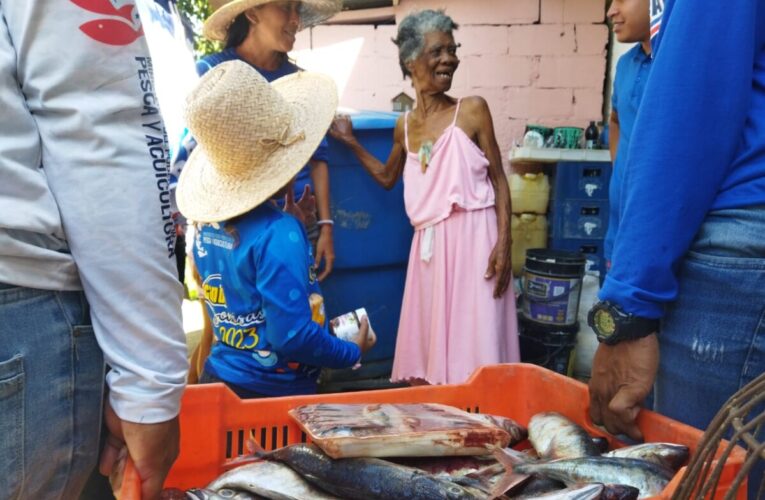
x=254, y=259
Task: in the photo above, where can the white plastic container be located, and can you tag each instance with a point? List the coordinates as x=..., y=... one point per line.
x=529, y=193
x=586, y=341
x=528, y=231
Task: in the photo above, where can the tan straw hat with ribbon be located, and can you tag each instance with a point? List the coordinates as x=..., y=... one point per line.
x=312, y=12
x=253, y=137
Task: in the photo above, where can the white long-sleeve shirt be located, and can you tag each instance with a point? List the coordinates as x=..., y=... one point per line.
x=84, y=200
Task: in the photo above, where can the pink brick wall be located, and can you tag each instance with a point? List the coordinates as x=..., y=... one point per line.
x=541, y=61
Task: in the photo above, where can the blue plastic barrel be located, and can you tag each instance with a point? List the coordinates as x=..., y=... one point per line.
x=372, y=235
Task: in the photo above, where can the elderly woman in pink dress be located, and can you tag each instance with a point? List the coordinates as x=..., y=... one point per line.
x=458, y=310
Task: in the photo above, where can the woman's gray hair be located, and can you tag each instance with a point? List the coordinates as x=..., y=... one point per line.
x=412, y=31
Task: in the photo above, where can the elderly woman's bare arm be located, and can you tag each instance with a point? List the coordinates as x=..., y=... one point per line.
x=500, y=264
x=385, y=174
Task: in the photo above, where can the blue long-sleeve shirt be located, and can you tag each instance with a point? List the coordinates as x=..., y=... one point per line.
x=698, y=144
x=265, y=305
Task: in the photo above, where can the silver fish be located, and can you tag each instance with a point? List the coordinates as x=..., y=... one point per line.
x=647, y=477
x=555, y=436
x=669, y=455
x=270, y=480
x=368, y=478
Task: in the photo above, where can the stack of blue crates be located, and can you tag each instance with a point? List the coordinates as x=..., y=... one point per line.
x=579, y=210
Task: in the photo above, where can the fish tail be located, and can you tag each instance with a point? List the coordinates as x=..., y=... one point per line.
x=509, y=479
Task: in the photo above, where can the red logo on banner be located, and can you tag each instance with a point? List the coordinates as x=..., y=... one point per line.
x=122, y=27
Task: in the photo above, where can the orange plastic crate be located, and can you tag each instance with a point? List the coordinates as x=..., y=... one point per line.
x=215, y=423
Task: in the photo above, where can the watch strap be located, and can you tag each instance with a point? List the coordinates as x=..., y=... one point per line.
x=627, y=326
x=635, y=327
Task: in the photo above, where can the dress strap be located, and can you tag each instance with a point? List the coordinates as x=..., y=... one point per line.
x=406, y=131
x=456, y=111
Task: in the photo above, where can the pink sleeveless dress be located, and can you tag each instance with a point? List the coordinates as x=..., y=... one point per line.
x=450, y=322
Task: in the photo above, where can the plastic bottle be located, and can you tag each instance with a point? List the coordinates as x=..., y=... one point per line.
x=529, y=192
x=527, y=231
x=591, y=136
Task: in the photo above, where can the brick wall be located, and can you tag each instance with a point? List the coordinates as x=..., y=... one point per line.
x=541, y=61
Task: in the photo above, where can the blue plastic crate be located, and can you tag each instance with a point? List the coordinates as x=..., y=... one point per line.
x=586, y=180
x=591, y=248
x=584, y=219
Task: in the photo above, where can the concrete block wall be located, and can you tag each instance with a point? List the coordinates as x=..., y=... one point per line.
x=535, y=61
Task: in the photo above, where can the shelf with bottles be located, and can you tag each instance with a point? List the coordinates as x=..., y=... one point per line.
x=521, y=154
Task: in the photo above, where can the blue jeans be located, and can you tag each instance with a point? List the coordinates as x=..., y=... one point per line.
x=51, y=387
x=713, y=337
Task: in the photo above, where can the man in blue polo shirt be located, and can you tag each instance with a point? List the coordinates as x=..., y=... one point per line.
x=631, y=24
x=684, y=301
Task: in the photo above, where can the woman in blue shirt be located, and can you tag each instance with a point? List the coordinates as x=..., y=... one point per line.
x=261, y=33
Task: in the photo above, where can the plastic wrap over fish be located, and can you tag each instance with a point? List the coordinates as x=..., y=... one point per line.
x=404, y=430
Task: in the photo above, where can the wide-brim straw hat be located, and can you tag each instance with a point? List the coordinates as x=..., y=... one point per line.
x=252, y=137
x=312, y=12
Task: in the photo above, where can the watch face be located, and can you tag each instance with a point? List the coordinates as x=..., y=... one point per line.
x=604, y=323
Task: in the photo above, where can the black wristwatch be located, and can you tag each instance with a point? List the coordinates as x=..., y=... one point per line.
x=612, y=325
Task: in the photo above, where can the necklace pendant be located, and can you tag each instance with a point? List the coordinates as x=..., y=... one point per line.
x=424, y=154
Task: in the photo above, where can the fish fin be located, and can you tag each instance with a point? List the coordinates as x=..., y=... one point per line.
x=509, y=457
x=255, y=453
x=253, y=448
x=509, y=479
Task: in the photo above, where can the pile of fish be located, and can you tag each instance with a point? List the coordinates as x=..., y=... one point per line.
x=563, y=463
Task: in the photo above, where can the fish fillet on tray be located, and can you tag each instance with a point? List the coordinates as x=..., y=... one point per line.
x=403, y=430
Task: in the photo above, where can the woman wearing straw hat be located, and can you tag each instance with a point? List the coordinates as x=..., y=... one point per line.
x=458, y=310
x=254, y=260
x=261, y=33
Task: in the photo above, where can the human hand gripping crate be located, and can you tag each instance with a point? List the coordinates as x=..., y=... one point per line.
x=215, y=424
